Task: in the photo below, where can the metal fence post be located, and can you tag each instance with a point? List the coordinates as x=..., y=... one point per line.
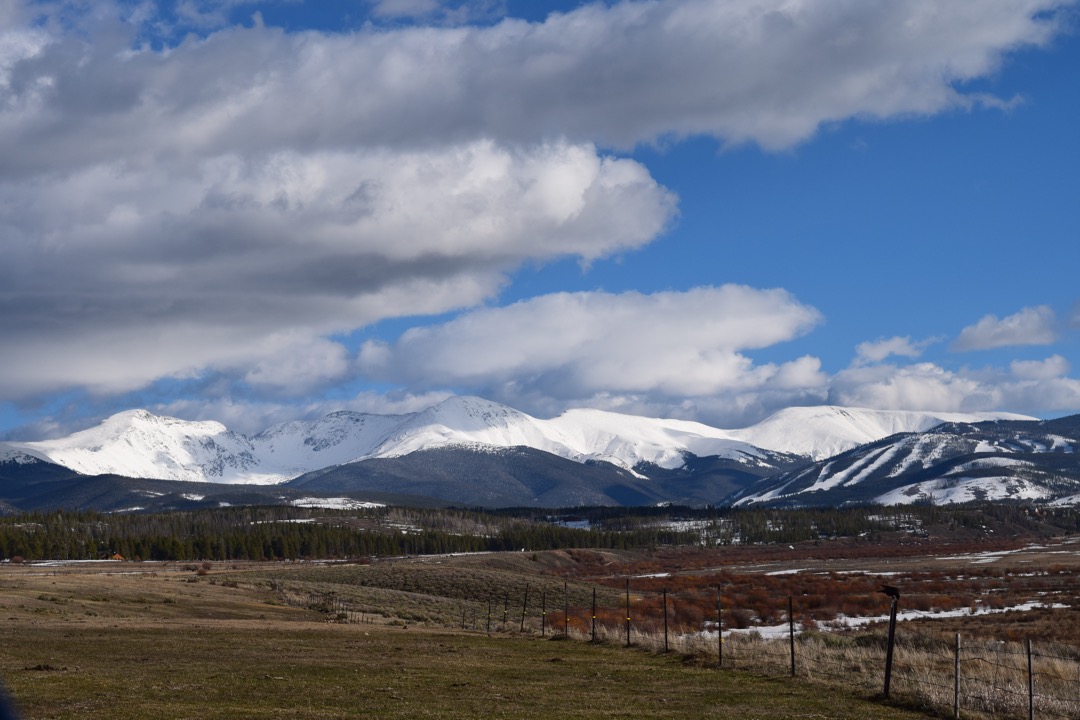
x=956, y=680
x=1031, y=684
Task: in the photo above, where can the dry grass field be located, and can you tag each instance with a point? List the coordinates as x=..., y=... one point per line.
x=483, y=635
x=145, y=640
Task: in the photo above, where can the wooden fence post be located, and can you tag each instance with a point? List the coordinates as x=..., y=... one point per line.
x=543, y=612
x=889, y=649
x=594, y=614
x=791, y=631
x=627, y=612
x=566, y=611
x=719, y=630
x=524, y=608
x=665, y=621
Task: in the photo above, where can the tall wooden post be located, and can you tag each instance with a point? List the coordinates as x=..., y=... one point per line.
x=524, y=608
x=543, y=612
x=594, y=614
x=566, y=611
x=889, y=649
x=719, y=630
x=627, y=612
x=665, y=621
x=791, y=632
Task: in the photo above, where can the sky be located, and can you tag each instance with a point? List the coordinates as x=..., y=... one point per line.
x=256, y=212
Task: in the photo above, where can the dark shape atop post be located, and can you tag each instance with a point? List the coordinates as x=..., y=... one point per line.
x=892, y=592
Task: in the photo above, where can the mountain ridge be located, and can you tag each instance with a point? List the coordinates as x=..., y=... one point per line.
x=137, y=443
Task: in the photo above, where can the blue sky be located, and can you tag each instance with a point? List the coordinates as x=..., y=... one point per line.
x=262, y=211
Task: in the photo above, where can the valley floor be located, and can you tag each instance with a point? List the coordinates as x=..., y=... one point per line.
x=142, y=640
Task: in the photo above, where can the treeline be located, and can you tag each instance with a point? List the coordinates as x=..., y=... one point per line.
x=285, y=533
x=288, y=533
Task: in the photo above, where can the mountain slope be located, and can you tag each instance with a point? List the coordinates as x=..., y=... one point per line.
x=502, y=477
x=954, y=462
x=140, y=444
x=824, y=431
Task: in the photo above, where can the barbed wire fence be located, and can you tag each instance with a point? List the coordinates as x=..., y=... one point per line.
x=947, y=673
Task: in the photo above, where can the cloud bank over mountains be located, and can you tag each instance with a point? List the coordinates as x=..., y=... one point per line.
x=235, y=203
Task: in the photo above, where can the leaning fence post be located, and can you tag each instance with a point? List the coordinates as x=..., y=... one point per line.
x=791, y=632
x=895, y=595
x=524, y=608
x=1031, y=684
x=956, y=680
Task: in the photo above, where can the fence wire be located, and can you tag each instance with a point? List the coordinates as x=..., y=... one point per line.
x=993, y=676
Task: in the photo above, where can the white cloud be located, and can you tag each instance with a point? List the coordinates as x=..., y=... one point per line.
x=300, y=365
x=1030, y=326
x=633, y=72
x=251, y=417
x=874, y=352
x=578, y=345
x=170, y=269
x=175, y=211
x=922, y=386
x=1051, y=368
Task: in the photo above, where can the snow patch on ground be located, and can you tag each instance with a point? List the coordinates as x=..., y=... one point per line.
x=952, y=489
x=336, y=503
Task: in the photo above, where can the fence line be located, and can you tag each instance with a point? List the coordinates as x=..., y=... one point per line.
x=1002, y=679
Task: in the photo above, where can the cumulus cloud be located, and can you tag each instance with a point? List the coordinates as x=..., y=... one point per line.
x=580, y=345
x=921, y=386
x=617, y=75
x=876, y=351
x=253, y=416
x=225, y=202
x=1033, y=387
x=166, y=270
x=1030, y=326
x=1051, y=368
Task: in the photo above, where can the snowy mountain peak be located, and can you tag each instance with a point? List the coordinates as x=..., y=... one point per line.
x=823, y=431
x=137, y=443
x=20, y=456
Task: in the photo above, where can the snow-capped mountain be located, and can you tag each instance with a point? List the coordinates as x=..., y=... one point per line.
x=137, y=443
x=19, y=456
x=951, y=463
x=823, y=431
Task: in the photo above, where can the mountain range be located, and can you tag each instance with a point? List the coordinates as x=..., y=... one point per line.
x=470, y=451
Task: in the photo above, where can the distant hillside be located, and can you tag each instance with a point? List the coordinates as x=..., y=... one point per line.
x=952, y=463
